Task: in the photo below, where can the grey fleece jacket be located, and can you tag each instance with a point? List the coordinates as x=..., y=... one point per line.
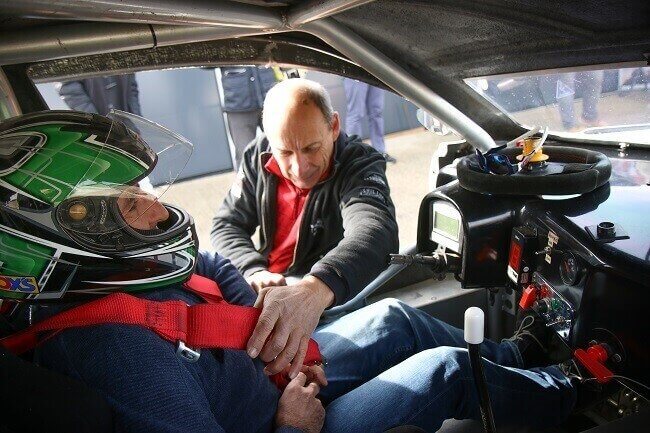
x=348, y=226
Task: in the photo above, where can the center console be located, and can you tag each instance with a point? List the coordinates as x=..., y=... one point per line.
x=590, y=285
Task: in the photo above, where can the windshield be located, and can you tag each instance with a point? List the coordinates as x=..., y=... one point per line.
x=598, y=104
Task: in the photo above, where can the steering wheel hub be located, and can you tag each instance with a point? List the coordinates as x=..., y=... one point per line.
x=564, y=171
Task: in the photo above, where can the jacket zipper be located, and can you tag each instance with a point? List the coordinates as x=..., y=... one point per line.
x=262, y=227
x=267, y=213
x=308, y=213
x=300, y=229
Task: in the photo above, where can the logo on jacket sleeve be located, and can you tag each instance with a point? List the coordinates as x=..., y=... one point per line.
x=237, y=186
x=18, y=284
x=372, y=193
x=375, y=178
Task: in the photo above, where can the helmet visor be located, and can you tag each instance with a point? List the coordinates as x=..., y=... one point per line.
x=127, y=174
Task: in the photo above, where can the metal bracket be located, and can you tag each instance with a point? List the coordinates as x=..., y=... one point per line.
x=188, y=353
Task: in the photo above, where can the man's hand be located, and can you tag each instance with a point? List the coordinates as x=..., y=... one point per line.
x=289, y=316
x=314, y=373
x=262, y=279
x=298, y=407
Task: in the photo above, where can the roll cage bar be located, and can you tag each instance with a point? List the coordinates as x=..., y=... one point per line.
x=160, y=23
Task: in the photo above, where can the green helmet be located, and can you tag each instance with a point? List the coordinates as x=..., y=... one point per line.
x=73, y=220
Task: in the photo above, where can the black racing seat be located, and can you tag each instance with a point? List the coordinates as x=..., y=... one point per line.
x=35, y=399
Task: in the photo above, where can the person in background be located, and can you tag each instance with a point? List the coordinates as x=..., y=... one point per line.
x=366, y=100
x=592, y=85
x=102, y=94
x=243, y=89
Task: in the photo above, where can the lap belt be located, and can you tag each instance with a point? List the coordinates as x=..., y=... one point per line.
x=213, y=325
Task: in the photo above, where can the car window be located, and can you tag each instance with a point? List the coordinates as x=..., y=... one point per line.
x=8, y=105
x=598, y=104
x=195, y=102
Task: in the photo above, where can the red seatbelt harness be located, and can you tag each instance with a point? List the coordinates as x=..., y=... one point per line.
x=213, y=325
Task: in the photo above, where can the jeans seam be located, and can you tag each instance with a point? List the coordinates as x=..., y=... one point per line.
x=415, y=415
x=493, y=385
x=396, y=353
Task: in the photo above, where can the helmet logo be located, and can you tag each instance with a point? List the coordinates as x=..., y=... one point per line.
x=18, y=284
x=102, y=218
x=78, y=211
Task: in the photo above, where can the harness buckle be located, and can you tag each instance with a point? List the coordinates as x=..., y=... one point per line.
x=188, y=353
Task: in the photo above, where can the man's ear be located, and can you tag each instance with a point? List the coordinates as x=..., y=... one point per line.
x=336, y=126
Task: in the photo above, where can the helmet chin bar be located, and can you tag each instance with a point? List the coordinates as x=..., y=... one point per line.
x=97, y=223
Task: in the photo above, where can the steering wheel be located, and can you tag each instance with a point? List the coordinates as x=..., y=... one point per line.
x=569, y=170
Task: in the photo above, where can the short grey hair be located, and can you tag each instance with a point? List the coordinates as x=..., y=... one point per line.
x=307, y=90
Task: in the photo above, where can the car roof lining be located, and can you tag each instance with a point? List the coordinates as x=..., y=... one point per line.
x=465, y=38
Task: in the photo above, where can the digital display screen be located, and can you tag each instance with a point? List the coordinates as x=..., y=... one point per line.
x=446, y=225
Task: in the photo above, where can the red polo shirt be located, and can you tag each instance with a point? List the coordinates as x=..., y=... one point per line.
x=289, y=207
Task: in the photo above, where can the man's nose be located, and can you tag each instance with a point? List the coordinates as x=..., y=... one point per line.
x=156, y=213
x=301, y=164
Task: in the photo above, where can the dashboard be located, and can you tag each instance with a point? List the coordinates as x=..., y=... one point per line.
x=592, y=290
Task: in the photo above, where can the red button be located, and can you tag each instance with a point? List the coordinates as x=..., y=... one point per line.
x=529, y=296
x=598, y=352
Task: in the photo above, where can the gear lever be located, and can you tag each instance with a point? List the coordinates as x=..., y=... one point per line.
x=474, y=326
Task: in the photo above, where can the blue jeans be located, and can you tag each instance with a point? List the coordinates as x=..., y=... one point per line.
x=365, y=100
x=390, y=364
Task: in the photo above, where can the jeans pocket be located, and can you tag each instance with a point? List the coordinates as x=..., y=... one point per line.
x=237, y=91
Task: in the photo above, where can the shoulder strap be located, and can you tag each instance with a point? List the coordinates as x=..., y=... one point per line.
x=212, y=325
x=205, y=288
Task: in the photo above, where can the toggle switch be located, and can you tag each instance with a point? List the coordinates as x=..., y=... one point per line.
x=593, y=359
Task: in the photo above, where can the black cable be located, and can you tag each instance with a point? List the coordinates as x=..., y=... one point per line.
x=487, y=417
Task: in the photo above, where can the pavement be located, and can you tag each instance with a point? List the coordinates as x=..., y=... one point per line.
x=407, y=178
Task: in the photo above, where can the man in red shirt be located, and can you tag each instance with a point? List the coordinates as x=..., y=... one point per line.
x=323, y=206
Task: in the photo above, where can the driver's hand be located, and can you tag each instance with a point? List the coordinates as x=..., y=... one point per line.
x=298, y=406
x=314, y=373
x=289, y=316
x=262, y=279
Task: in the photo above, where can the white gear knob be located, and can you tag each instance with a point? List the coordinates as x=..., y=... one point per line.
x=474, y=325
